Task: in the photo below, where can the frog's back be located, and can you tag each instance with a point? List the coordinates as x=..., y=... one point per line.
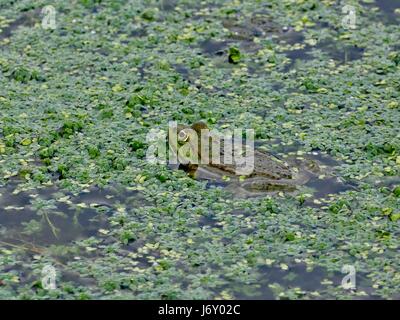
x=269, y=166
x=265, y=165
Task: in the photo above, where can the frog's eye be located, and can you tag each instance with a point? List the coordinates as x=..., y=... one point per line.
x=183, y=136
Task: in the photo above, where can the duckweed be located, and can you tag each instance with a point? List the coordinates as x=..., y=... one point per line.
x=77, y=193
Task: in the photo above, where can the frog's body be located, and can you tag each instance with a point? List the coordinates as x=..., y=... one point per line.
x=269, y=174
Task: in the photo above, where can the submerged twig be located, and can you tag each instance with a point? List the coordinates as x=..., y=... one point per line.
x=54, y=230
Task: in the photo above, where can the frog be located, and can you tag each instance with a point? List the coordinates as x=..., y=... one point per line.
x=270, y=174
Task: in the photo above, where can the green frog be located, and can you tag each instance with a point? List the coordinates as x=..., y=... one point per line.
x=269, y=173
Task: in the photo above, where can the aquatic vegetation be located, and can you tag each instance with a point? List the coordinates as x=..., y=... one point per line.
x=76, y=191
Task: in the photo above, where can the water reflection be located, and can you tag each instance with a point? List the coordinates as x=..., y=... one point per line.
x=27, y=19
x=47, y=216
x=387, y=9
x=298, y=281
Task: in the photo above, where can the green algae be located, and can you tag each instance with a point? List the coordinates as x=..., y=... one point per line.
x=77, y=103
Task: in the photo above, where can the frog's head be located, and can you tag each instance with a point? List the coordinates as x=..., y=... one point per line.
x=186, y=133
x=198, y=126
x=189, y=140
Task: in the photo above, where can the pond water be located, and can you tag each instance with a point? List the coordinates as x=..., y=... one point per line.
x=153, y=232
x=302, y=282
x=48, y=216
x=26, y=20
x=387, y=10
x=35, y=222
